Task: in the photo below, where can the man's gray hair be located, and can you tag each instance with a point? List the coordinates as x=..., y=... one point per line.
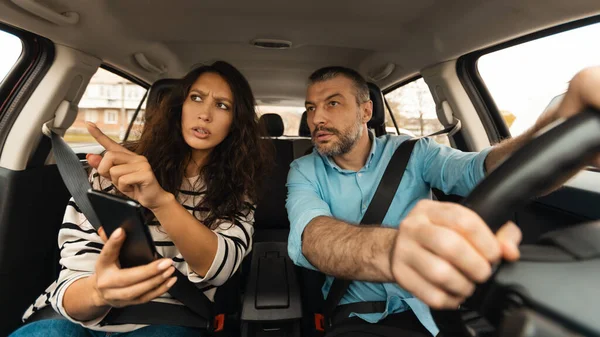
x=328, y=73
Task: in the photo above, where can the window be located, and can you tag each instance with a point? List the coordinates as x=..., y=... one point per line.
x=105, y=102
x=291, y=116
x=111, y=116
x=523, y=79
x=133, y=91
x=139, y=120
x=414, y=110
x=11, y=50
x=91, y=116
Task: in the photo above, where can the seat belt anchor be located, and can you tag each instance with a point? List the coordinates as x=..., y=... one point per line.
x=64, y=116
x=47, y=128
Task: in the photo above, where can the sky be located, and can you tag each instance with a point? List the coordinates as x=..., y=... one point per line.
x=11, y=47
x=523, y=79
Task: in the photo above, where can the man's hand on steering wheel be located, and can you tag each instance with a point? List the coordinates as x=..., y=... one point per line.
x=583, y=92
x=443, y=249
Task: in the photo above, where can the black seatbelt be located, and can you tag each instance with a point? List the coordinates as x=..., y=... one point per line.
x=386, y=190
x=76, y=181
x=375, y=213
x=450, y=130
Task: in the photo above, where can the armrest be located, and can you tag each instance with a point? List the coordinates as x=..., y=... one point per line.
x=272, y=291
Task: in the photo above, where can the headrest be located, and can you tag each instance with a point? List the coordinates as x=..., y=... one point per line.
x=158, y=90
x=303, y=130
x=273, y=124
x=378, y=119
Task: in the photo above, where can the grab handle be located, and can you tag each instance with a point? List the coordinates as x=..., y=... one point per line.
x=61, y=19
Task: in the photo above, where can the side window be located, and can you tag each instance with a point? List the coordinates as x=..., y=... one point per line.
x=414, y=110
x=110, y=101
x=524, y=79
x=12, y=47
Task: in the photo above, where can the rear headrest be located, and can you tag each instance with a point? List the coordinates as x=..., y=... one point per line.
x=303, y=130
x=273, y=124
x=377, y=122
x=158, y=90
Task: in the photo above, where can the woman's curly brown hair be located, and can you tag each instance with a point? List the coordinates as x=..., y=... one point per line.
x=236, y=166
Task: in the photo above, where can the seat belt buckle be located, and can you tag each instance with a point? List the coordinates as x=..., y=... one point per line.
x=219, y=323
x=320, y=322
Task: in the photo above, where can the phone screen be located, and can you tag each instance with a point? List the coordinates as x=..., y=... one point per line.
x=114, y=212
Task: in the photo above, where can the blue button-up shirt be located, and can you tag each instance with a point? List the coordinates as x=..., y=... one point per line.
x=319, y=187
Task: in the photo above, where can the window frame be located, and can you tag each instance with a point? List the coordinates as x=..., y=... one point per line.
x=480, y=96
x=456, y=141
x=138, y=120
x=36, y=57
x=135, y=80
x=400, y=84
x=394, y=87
x=103, y=113
x=125, y=75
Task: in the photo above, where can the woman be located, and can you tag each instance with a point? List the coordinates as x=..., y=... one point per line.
x=196, y=169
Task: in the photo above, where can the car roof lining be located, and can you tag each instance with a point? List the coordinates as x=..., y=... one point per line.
x=180, y=34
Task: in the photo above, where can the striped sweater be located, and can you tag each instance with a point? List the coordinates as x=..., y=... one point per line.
x=80, y=245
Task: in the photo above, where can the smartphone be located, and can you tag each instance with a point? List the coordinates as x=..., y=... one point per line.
x=113, y=212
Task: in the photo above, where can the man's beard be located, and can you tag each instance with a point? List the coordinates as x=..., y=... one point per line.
x=344, y=143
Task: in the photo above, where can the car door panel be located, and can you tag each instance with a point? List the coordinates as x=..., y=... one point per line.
x=32, y=204
x=571, y=204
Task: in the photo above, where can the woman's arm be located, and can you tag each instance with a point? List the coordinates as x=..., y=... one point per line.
x=132, y=175
x=89, y=299
x=80, y=246
x=91, y=282
x=213, y=256
x=196, y=242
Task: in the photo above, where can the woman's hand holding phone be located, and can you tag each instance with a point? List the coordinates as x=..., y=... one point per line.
x=118, y=287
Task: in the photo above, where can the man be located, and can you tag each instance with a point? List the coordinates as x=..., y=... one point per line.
x=425, y=253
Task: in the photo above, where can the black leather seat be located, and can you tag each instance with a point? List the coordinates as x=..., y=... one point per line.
x=156, y=93
x=159, y=88
x=377, y=122
x=270, y=219
x=303, y=129
x=272, y=299
x=273, y=124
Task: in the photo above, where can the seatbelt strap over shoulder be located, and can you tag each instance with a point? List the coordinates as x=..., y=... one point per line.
x=74, y=177
x=386, y=190
x=76, y=181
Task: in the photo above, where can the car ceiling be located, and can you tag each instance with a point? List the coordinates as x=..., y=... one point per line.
x=179, y=34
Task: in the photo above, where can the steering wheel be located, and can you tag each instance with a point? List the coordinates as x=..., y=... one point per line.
x=553, y=289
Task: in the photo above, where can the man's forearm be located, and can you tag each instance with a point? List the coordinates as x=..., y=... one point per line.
x=501, y=151
x=349, y=251
x=506, y=148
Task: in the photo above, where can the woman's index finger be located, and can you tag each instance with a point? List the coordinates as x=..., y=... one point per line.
x=104, y=140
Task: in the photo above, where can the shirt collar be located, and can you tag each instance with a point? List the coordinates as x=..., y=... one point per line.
x=333, y=165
